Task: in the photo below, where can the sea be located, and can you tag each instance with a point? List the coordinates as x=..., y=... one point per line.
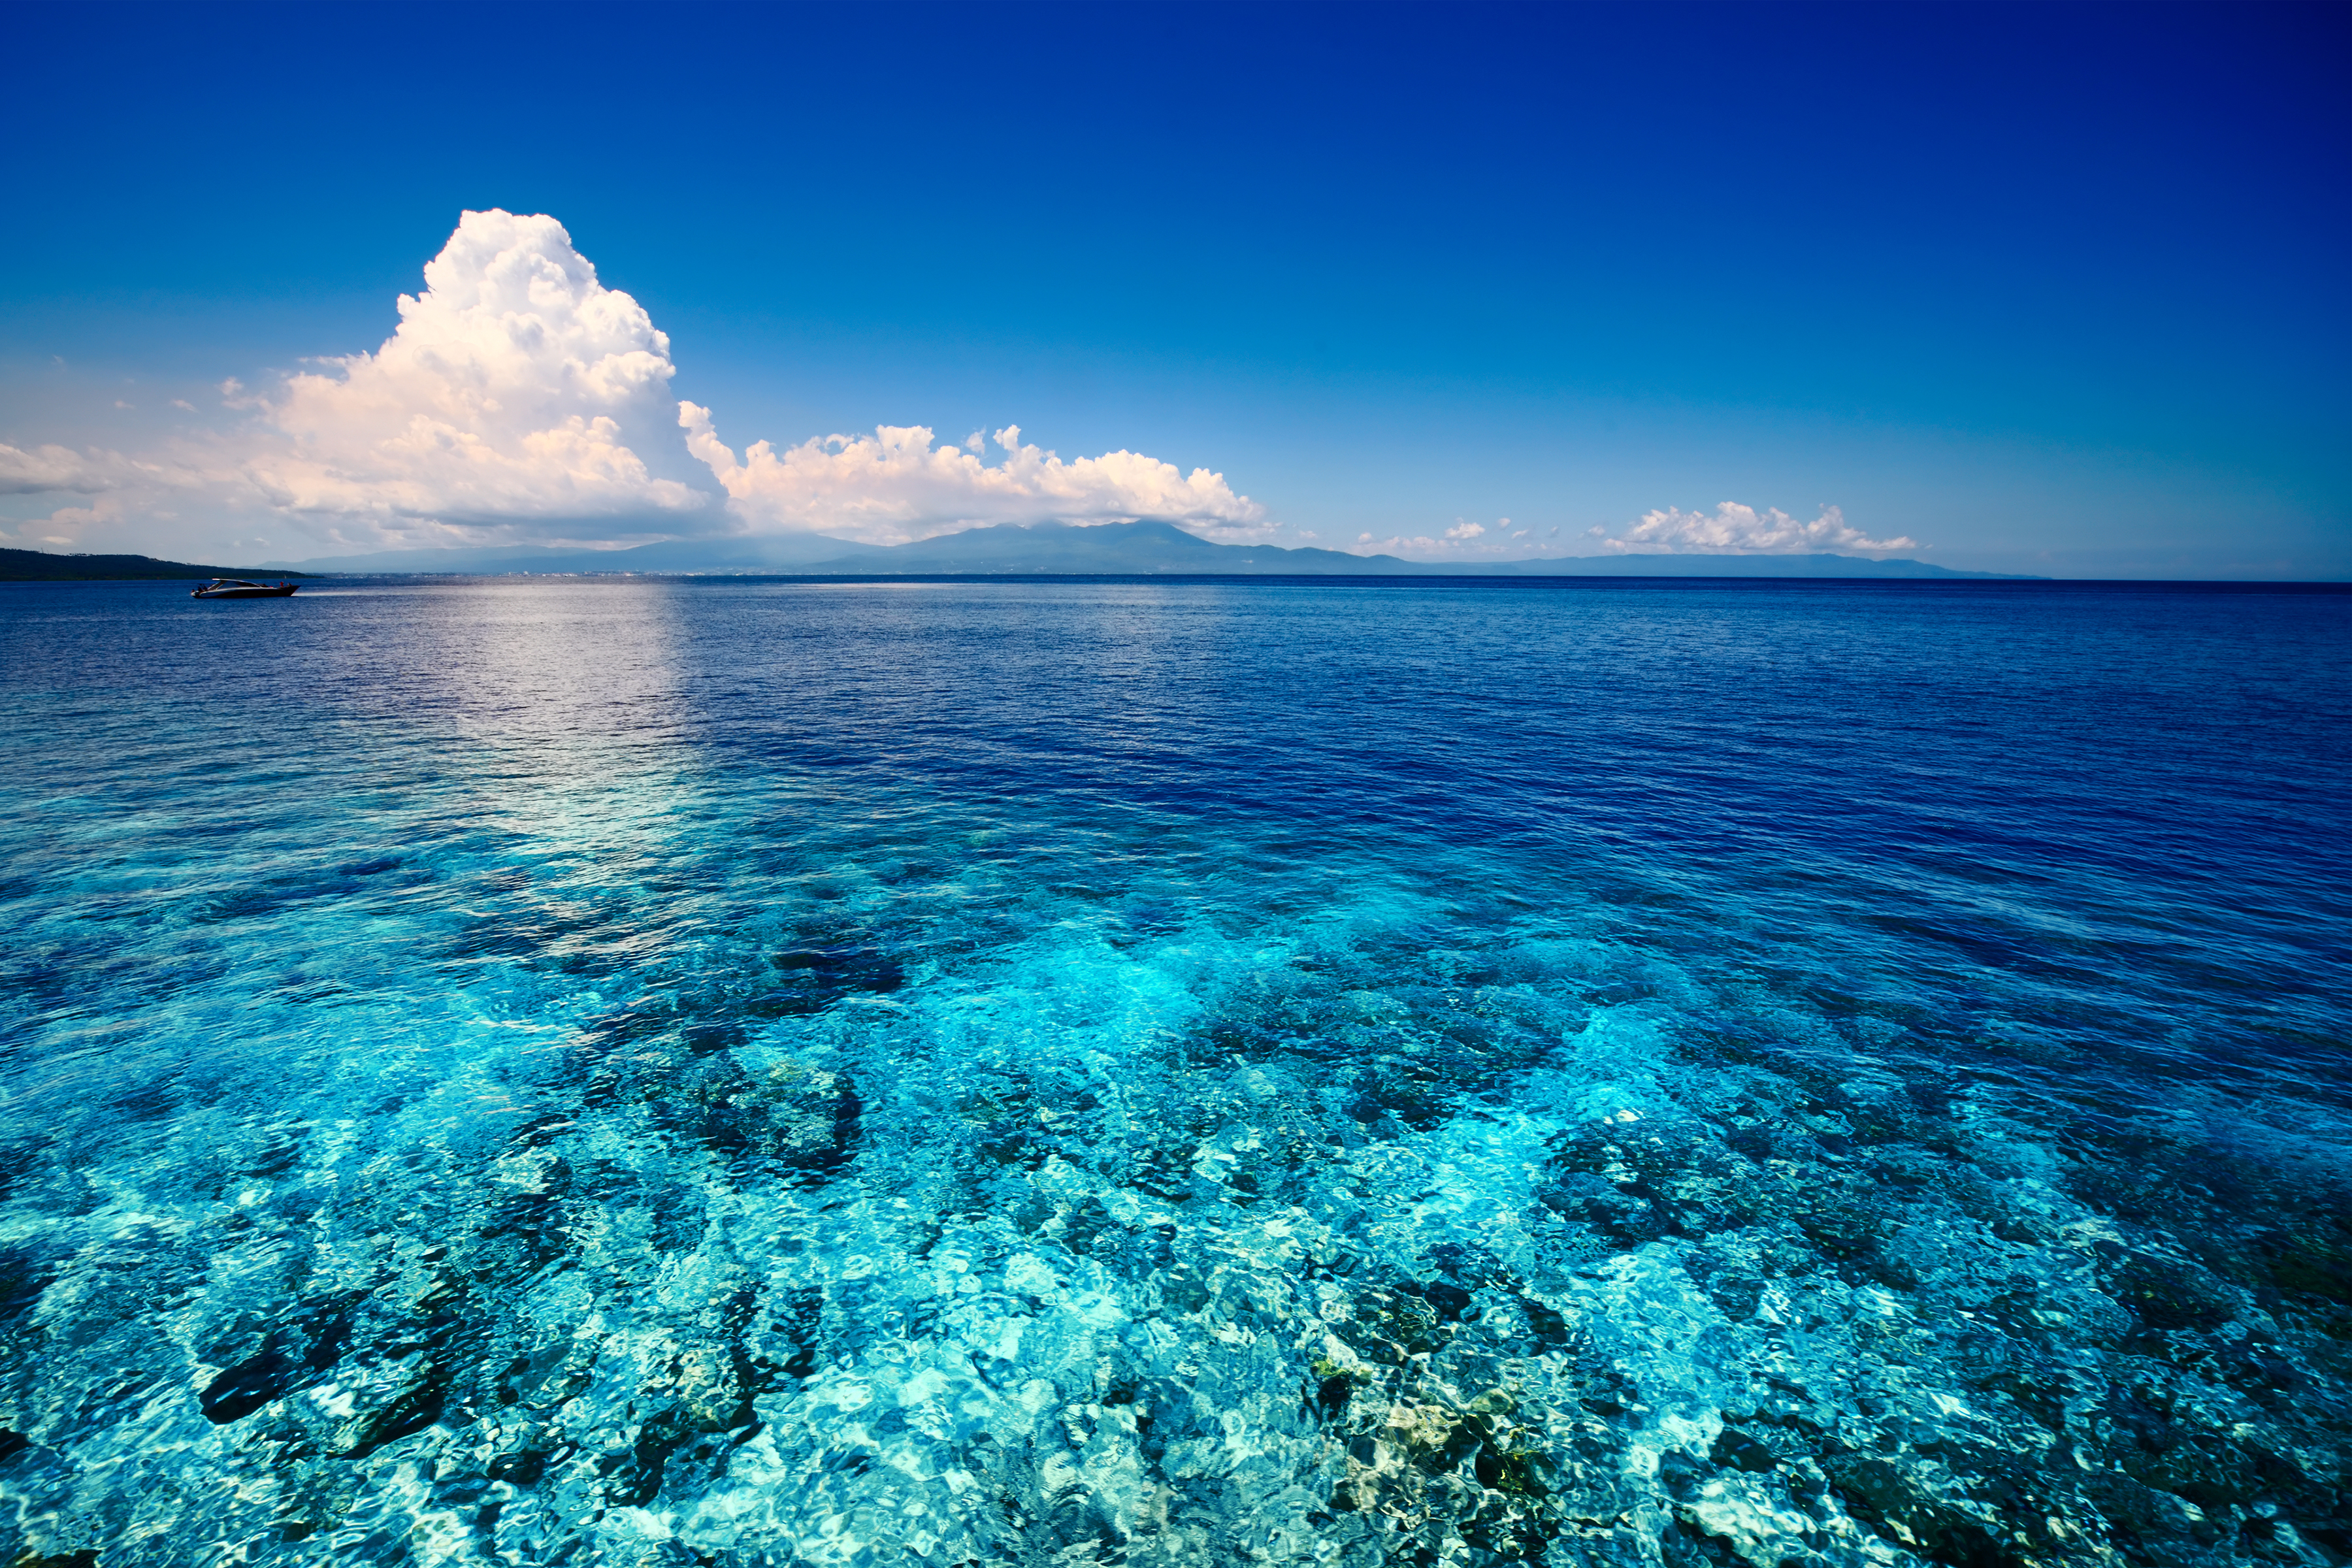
x=1115, y=1071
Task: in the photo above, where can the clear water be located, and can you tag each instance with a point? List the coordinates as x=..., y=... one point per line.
x=730, y=1073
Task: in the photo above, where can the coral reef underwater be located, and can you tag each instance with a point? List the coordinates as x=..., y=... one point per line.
x=633, y=1157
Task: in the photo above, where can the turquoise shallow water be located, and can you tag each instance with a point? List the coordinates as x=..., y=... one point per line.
x=601, y=1072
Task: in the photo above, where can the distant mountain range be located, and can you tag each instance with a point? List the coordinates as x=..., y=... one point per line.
x=39, y=566
x=1052, y=549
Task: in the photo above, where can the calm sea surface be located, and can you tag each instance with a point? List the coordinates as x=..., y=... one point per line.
x=732, y=1072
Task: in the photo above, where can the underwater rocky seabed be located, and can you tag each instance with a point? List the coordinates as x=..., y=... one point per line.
x=544, y=1074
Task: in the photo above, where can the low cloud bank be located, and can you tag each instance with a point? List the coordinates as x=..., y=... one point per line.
x=897, y=485
x=520, y=400
x=1730, y=529
x=1733, y=529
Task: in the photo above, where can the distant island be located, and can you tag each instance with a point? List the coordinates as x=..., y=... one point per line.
x=1052, y=549
x=39, y=566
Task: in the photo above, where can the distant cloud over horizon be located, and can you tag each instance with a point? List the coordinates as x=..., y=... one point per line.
x=1733, y=529
x=520, y=400
x=1455, y=542
x=896, y=485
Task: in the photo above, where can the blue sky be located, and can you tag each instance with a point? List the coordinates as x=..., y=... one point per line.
x=2043, y=288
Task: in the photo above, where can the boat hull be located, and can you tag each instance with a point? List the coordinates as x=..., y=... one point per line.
x=284, y=591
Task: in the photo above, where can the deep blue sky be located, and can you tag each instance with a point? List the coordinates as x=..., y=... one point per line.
x=2049, y=287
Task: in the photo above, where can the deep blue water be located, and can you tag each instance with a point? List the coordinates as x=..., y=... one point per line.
x=732, y=1073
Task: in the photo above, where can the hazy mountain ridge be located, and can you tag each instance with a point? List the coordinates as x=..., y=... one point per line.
x=1050, y=549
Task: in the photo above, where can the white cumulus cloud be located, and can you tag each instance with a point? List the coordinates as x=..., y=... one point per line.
x=897, y=485
x=508, y=392
x=1733, y=529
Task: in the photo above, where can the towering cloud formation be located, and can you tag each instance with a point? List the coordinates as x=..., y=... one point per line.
x=506, y=394
x=896, y=485
x=1733, y=529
